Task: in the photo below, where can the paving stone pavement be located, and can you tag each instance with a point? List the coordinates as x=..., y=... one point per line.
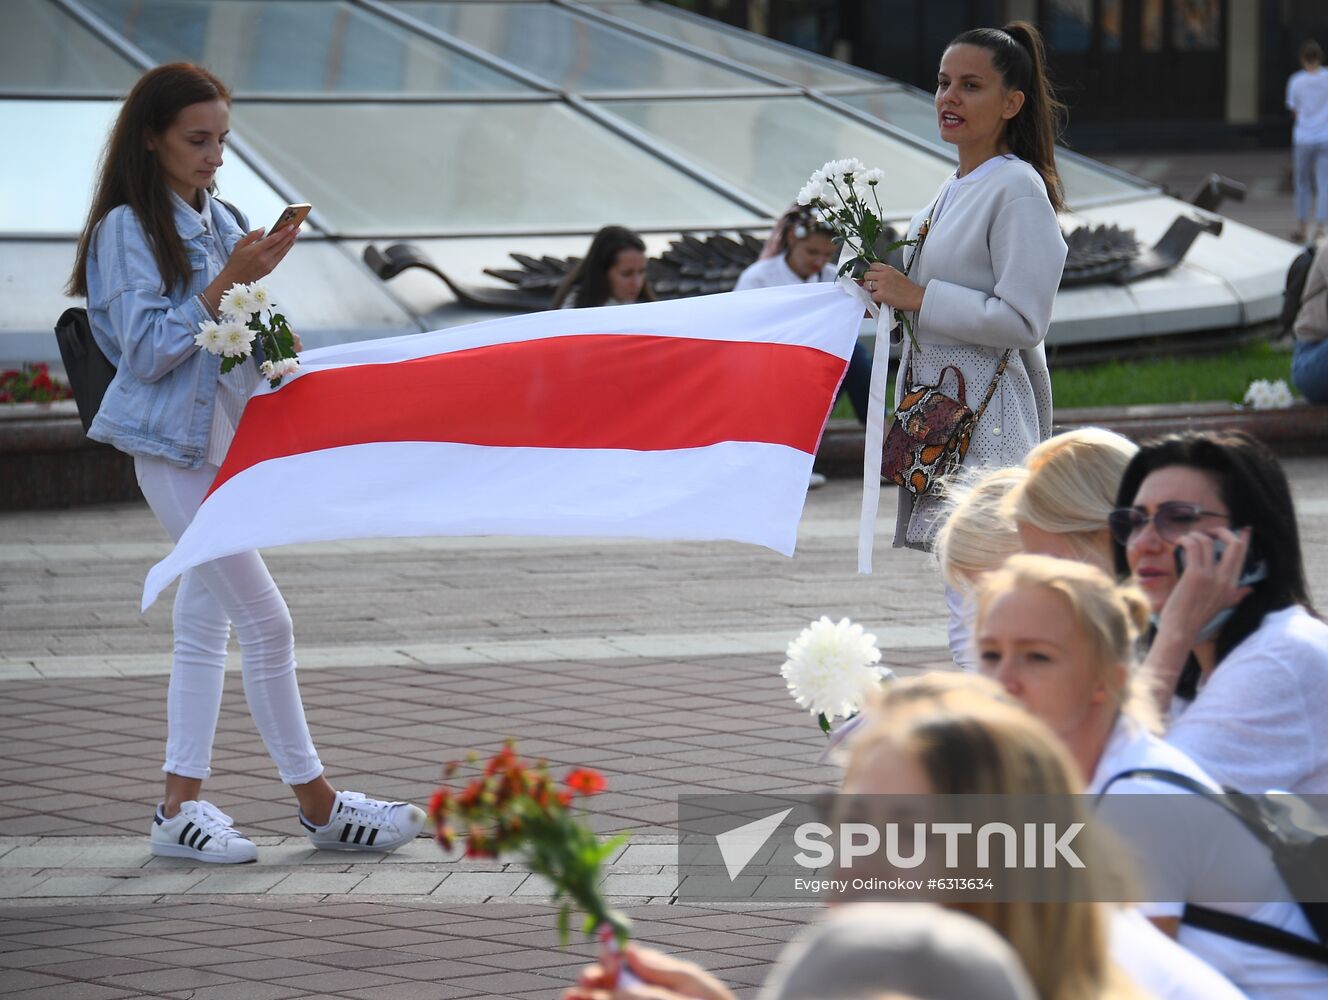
x=657, y=663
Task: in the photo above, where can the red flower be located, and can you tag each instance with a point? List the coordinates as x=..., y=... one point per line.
x=584, y=781
x=439, y=804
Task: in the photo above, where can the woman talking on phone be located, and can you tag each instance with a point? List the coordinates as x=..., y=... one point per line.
x=1207, y=527
x=155, y=257
x=980, y=285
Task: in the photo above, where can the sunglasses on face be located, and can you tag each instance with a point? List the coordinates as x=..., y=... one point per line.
x=1172, y=521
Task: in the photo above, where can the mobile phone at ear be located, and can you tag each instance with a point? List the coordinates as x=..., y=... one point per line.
x=1255, y=569
x=291, y=215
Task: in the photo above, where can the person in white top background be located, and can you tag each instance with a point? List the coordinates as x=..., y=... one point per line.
x=984, y=281
x=801, y=250
x=1307, y=99
x=1060, y=637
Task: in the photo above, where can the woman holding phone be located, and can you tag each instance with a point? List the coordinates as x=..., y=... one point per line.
x=1206, y=525
x=980, y=287
x=156, y=256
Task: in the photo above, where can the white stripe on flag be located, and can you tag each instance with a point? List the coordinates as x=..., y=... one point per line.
x=738, y=490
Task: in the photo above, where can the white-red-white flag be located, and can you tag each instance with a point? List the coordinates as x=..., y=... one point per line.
x=688, y=419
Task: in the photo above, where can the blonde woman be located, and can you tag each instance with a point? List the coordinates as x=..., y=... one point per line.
x=1060, y=636
x=976, y=537
x=950, y=733
x=1061, y=507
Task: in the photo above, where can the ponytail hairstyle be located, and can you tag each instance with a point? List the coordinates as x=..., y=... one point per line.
x=1018, y=55
x=131, y=174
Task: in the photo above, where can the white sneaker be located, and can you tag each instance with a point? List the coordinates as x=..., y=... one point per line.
x=363, y=824
x=202, y=832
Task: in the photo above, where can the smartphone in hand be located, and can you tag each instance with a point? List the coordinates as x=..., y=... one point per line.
x=1254, y=570
x=291, y=215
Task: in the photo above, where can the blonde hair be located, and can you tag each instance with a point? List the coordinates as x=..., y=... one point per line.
x=967, y=737
x=1109, y=615
x=977, y=535
x=1071, y=488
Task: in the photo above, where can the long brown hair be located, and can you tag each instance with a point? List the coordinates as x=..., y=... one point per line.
x=131, y=174
x=590, y=278
x=1018, y=55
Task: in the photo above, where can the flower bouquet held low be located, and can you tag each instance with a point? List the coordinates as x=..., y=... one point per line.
x=248, y=314
x=831, y=669
x=515, y=807
x=843, y=192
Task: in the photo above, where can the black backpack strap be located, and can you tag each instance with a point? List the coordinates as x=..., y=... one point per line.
x=1157, y=774
x=1253, y=932
x=235, y=213
x=1216, y=921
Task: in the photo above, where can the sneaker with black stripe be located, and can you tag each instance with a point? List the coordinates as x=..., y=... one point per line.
x=202, y=832
x=359, y=823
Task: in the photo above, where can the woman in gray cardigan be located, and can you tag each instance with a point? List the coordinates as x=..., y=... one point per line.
x=985, y=277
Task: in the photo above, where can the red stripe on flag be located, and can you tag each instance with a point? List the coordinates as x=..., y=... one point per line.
x=627, y=391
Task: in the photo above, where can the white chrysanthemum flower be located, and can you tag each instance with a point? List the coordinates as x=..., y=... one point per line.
x=261, y=298
x=268, y=370
x=1266, y=395
x=831, y=667
x=287, y=366
x=871, y=177
x=811, y=191
x=209, y=337
x=238, y=301
x=236, y=339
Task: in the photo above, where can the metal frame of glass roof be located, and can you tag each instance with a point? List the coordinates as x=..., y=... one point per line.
x=765, y=84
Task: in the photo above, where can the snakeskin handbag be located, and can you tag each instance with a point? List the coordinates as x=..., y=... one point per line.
x=931, y=431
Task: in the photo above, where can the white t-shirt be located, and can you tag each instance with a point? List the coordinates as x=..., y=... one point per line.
x=774, y=271
x=1160, y=965
x=1307, y=96
x=1259, y=722
x=1199, y=851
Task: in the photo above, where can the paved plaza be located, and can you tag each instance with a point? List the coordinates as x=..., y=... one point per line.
x=656, y=662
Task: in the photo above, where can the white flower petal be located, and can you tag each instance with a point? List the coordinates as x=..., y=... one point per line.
x=830, y=667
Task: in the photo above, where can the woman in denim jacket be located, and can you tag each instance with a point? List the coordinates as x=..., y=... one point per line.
x=156, y=256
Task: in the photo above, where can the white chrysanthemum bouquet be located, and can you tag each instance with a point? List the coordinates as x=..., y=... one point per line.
x=1264, y=394
x=248, y=314
x=831, y=668
x=843, y=192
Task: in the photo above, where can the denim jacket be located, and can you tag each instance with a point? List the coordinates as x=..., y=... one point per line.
x=161, y=400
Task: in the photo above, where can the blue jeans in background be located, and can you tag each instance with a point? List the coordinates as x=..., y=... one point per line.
x=1311, y=162
x=1309, y=369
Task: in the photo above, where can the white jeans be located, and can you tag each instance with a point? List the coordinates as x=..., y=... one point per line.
x=210, y=597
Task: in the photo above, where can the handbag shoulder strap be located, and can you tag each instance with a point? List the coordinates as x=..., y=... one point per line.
x=991, y=389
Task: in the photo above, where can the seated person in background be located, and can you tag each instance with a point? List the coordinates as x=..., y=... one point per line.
x=613, y=273
x=1309, y=363
x=1237, y=640
x=1061, y=507
x=1059, y=636
x=801, y=250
